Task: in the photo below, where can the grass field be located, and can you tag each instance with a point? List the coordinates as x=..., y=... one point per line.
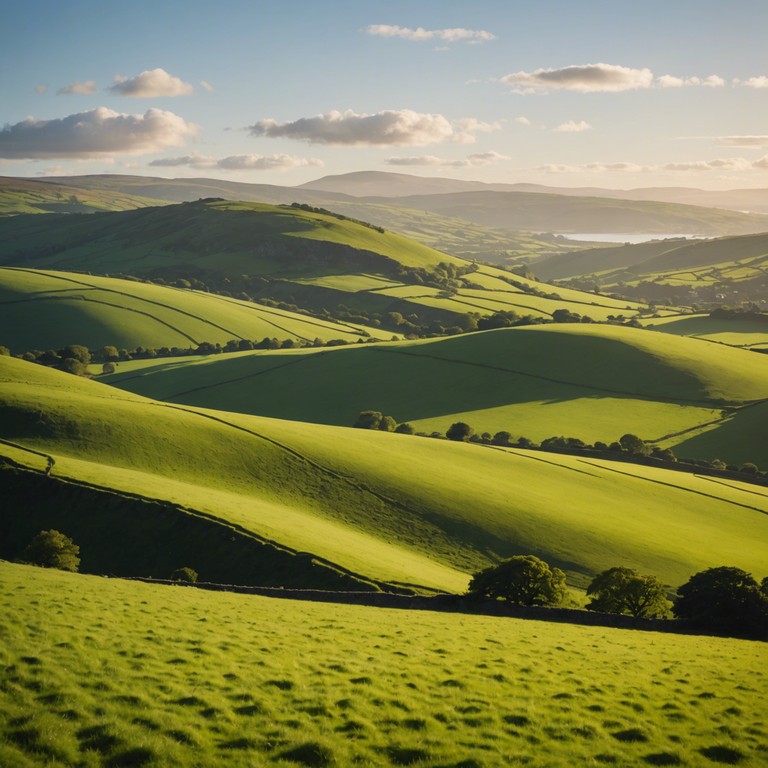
x=392, y=508
x=594, y=382
x=734, y=331
x=48, y=310
x=103, y=672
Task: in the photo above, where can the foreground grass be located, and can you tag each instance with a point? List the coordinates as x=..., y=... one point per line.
x=104, y=672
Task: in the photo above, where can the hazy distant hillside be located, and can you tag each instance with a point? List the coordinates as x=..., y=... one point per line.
x=564, y=214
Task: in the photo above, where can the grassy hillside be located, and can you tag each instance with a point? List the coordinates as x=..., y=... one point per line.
x=749, y=331
x=19, y=196
x=385, y=507
x=530, y=381
x=48, y=310
x=125, y=673
x=562, y=213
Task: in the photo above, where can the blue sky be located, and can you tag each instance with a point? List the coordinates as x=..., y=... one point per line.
x=613, y=94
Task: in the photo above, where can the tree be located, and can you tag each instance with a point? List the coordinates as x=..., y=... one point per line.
x=405, y=429
x=624, y=590
x=184, y=574
x=459, y=431
x=108, y=368
x=387, y=424
x=368, y=420
x=723, y=599
x=502, y=438
x=74, y=366
x=521, y=580
x=77, y=351
x=5, y=351
x=633, y=444
x=52, y=549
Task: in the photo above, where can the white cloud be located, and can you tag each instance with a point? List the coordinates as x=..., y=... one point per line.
x=41, y=89
x=471, y=161
x=420, y=34
x=522, y=120
x=238, y=162
x=761, y=163
x=573, y=127
x=720, y=164
x=743, y=141
x=205, y=84
x=669, y=81
x=619, y=167
x=587, y=78
x=94, y=133
x=150, y=84
x=388, y=128
x=86, y=88
x=754, y=82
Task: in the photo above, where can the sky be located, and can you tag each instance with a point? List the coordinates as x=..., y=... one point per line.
x=608, y=94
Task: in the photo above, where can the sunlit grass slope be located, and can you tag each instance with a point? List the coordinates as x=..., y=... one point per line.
x=390, y=507
x=48, y=310
x=747, y=332
x=109, y=672
x=594, y=382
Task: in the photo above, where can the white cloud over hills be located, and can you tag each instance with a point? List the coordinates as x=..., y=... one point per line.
x=95, y=133
x=420, y=34
x=151, y=84
x=387, y=128
x=279, y=162
x=718, y=164
x=471, y=161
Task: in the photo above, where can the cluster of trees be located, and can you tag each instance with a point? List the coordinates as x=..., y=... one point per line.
x=377, y=420
x=724, y=600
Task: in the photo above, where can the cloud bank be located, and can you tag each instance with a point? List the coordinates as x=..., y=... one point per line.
x=150, y=84
x=94, y=133
x=388, y=128
x=743, y=141
x=87, y=88
x=420, y=34
x=471, y=161
x=604, y=78
x=239, y=162
x=718, y=164
x=573, y=127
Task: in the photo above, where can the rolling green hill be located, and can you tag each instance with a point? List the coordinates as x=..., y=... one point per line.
x=746, y=330
x=299, y=257
x=594, y=382
x=48, y=310
x=376, y=506
x=19, y=196
x=110, y=672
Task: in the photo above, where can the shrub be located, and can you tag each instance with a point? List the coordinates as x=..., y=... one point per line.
x=184, y=574
x=52, y=549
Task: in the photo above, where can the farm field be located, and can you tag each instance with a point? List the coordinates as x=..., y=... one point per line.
x=733, y=331
x=44, y=310
x=351, y=497
x=110, y=672
x=530, y=381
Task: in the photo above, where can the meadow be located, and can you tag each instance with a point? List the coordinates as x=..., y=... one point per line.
x=351, y=496
x=104, y=672
x=530, y=381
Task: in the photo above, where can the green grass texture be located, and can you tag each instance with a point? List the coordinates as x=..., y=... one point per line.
x=104, y=672
x=594, y=382
x=48, y=310
x=392, y=508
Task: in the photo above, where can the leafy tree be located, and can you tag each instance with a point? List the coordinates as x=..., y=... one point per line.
x=501, y=438
x=624, y=590
x=109, y=353
x=459, y=431
x=5, y=351
x=521, y=580
x=76, y=351
x=405, y=429
x=52, y=549
x=368, y=420
x=74, y=366
x=184, y=574
x=387, y=424
x=108, y=368
x=724, y=599
x=633, y=444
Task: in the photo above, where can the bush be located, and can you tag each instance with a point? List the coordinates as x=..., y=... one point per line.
x=459, y=431
x=624, y=590
x=521, y=580
x=405, y=429
x=52, y=549
x=184, y=574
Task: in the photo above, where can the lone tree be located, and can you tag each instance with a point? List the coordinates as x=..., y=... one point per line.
x=52, y=549
x=368, y=420
x=184, y=574
x=633, y=444
x=521, y=580
x=624, y=590
x=724, y=599
x=459, y=431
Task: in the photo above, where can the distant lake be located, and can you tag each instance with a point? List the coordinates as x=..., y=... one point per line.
x=625, y=237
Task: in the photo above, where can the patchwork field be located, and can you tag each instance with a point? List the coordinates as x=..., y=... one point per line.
x=594, y=382
x=108, y=672
x=48, y=310
x=352, y=497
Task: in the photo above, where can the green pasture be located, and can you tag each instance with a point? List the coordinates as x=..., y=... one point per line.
x=388, y=507
x=594, y=382
x=734, y=331
x=48, y=310
x=104, y=672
